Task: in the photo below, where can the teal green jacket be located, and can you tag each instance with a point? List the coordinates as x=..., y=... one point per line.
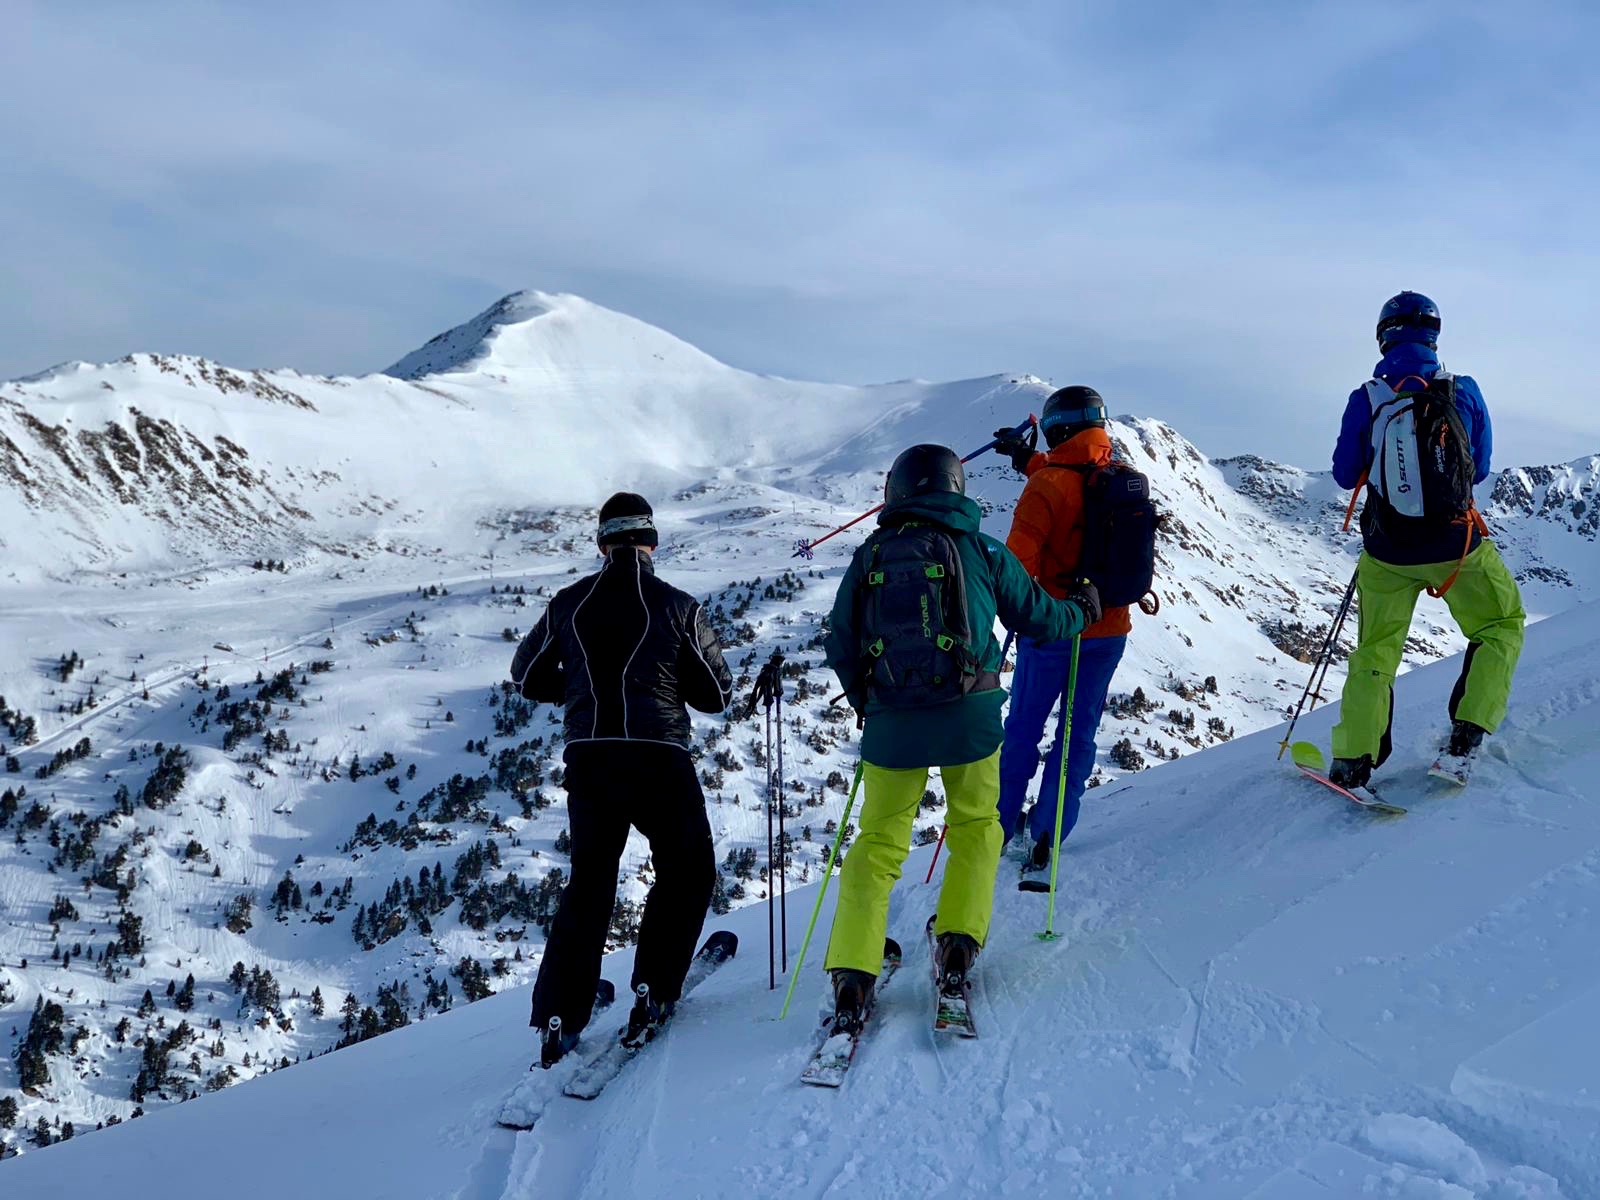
x=970, y=728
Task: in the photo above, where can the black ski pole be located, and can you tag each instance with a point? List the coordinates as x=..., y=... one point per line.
x=769, y=687
x=1319, y=666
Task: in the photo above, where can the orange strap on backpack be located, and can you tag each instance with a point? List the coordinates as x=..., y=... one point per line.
x=1350, y=509
x=1473, y=520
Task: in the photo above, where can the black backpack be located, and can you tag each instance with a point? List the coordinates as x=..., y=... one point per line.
x=1422, y=464
x=915, y=642
x=1119, y=532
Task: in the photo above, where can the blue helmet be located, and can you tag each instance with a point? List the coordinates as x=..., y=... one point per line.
x=1408, y=317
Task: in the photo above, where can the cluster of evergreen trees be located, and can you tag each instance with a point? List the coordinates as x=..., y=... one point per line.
x=64, y=757
x=46, y=1035
x=21, y=729
x=167, y=779
x=256, y=989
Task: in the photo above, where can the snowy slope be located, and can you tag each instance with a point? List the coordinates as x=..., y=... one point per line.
x=134, y=496
x=1264, y=994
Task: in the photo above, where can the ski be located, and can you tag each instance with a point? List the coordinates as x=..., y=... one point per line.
x=953, y=1012
x=831, y=1060
x=1308, y=760
x=601, y=1068
x=525, y=1104
x=1034, y=878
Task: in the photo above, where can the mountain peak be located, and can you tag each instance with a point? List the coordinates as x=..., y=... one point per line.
x=541, y=331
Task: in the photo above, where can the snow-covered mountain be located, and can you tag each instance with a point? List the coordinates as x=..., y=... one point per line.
x=1263, y=995
x=273, y=610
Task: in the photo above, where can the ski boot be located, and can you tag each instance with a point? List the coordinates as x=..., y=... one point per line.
x=1351, y=773
x=645, y=1018
x=554, y=1043
x=852, y=1000
x=955, y=955
x=1039, y=856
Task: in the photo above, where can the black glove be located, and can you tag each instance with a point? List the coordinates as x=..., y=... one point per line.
x=1086, y=596
x=1017, y=448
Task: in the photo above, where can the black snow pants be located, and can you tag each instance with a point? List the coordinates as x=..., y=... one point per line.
x=610, y=786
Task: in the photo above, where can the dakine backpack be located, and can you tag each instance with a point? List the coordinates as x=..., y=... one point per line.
x=916, y=647
x=1119, y=532
x=1422, y=463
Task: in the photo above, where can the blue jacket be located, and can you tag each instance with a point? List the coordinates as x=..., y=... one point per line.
x=1352, y=456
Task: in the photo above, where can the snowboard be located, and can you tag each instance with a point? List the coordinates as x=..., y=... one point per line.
x=1453, y=769
x=597, y=1071
x=831, y=1060
x=952, y=1011
x=526, y=1102
x=1309, y=761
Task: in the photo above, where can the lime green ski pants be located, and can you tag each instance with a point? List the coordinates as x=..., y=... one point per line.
x=1485, y=602
x=966, y=900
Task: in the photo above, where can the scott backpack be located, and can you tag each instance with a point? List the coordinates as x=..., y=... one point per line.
x=1119, y=532
x=915, y=643
x=1422, y=463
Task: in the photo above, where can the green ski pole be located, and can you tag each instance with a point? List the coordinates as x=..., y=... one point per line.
x=1050, y=934
x=827, y=877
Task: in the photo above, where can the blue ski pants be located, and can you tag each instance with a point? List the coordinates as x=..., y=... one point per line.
x=1040, y=681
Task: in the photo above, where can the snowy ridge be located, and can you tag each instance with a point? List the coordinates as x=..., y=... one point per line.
x=1263, y=995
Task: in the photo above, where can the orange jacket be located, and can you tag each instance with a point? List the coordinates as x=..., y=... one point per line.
x=1047, y=527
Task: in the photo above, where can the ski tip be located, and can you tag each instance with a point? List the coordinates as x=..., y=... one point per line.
x=1033, y=885
x=891, y=948
x=1309, y=755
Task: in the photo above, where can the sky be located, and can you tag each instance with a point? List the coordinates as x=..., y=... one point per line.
x=1197, y=209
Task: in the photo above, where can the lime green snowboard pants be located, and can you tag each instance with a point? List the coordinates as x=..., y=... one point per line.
x=1485, y=602
x=966, y=900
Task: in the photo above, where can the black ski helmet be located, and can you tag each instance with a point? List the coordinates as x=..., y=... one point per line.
x=1071, y=410
x=923, y=469
x=626, y=520
x=1408, y=317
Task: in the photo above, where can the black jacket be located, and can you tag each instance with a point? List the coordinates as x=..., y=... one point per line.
x=625, y=653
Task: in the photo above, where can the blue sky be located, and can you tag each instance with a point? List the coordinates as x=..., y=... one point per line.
x=1196, y=208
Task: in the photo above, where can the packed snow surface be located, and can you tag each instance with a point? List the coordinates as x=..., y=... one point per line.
x=1264, y=993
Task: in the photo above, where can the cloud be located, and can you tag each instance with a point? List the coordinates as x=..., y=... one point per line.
x=1199, y=209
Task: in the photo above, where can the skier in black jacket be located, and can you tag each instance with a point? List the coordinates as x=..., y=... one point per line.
x=625, y=653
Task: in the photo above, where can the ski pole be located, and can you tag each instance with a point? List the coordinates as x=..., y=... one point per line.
x=783, y=844
x=1050, y=934
x=944, y=829
x=816, y=909
x=769, y=687
x=807, y=549
x=772, y=977
x=1323, y=660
